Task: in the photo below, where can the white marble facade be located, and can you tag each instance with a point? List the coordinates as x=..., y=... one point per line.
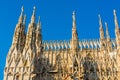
x=31, y=58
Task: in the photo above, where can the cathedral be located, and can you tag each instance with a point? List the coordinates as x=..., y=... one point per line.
x=31, y=58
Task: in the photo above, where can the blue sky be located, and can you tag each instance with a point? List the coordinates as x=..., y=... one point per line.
x=56, y=18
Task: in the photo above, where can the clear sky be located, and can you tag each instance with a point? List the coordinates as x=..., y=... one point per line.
x=56, y=18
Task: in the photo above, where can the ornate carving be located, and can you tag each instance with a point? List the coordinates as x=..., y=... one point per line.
x=31, y=58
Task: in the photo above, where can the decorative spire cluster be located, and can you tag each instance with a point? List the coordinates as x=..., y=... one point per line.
x=21, y=39
x=34, y=30
x=117, y=31
x=26, y=55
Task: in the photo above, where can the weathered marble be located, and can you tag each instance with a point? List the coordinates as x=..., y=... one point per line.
x=31, y=58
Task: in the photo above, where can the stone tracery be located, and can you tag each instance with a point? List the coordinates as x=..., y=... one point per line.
x=31, y=58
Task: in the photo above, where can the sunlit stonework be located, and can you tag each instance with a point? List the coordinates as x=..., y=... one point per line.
x=31, y=58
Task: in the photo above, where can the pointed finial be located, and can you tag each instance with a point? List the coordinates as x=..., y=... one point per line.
x=22, y=10
x=115, y=20
x=100, y=20
x=33, y=15
x=73, y=12
x=99, y=17
x=115, y=17
x=74, y=20
x=107, y=33
x=34, y=9
x=114, y=11
x=73, y=16
x=21, y=15
x=106, y=25
x=24, y=20
x=101, y=28
x=39, y=24
x=38, y=19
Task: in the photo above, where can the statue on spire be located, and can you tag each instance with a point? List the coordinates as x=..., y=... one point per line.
x=73, y=16
x=34, y=9
x=114, y=12
x=74, y=20
x=22, y=10
x=33, y=15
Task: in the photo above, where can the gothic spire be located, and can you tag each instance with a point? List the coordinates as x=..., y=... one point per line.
x=38, y=30
x=24, y=20
x=38, y=37
x=21, y=16
x=117, y=34
x=74, y=31
x=33, y=15
x=107, y=33
x=100, y=21
x=31, y=33
x=102, y=42
x=115, y=20
x=74, y=20
x=18, y=31
x=101, y=28
x=38, y=24
x=74, y=41
x=108, y=43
